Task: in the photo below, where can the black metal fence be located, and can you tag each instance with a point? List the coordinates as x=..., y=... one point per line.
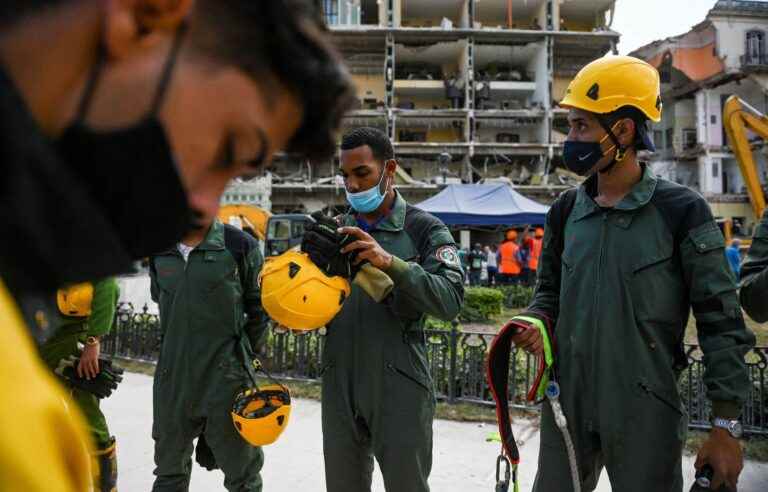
x=456, y=360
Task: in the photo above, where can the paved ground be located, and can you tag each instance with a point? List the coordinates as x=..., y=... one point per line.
x=463, y=461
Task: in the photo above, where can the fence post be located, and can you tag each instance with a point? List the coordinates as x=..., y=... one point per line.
x=454, y=349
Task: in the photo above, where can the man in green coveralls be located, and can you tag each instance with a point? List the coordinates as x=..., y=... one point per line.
x=378, y=398
x=72, y=331
x=211, y=319
x=627, y=256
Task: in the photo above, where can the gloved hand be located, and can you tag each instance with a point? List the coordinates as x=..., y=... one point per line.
x=323, y=245
x=101, y=386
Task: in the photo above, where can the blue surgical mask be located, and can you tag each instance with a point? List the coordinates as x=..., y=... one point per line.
x=369, y=200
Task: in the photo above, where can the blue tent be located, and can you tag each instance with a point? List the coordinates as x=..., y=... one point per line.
x=484, y=205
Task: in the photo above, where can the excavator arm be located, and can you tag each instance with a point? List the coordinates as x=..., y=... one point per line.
x=246, y=217
x=738, y=117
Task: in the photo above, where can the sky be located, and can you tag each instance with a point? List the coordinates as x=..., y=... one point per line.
x=642, y=21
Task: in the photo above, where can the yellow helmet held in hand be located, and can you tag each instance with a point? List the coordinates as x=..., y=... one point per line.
x=297, y=294
x=261, y=414
x=613, y=82
x=75, y=300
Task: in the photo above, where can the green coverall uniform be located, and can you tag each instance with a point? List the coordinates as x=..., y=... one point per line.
x=754, y=274
x=378, y=397
x=210, y=313
x=621, y=294
x=72, y=330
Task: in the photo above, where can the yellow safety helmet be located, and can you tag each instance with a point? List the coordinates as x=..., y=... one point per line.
x=76, y=299
x=261, y=414
x=297, y=294
x=612, y=82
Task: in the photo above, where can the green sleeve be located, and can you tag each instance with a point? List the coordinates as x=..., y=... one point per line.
x=546, y=296
x=723, y=336
x=433, y=285
x=256, y=317
x=754, y=274
x=105, y=296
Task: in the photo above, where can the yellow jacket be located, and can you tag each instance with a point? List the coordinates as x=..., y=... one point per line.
x=43, y=442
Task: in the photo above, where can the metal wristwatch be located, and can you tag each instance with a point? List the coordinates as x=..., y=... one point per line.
x=732, y=426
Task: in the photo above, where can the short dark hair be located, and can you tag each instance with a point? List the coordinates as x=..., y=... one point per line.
x=374, y=138
x=634, y=114
x=287, y=39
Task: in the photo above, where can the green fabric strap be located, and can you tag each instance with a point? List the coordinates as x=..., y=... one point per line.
x=548, y=357
x=517, y=482
x=248, y=362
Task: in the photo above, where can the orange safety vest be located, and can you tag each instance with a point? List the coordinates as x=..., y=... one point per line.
x=533, y=261
x=509, y=264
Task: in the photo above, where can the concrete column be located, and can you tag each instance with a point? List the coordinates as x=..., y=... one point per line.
x=555, y=14
x=464, y=239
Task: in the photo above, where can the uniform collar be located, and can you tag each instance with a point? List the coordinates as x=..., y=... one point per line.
x=640, y=194
x=214, y=240
x=394, y=221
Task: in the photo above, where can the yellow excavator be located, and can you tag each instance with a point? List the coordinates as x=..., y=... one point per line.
x=248, y=218
x=738, y=117
x=279, y=232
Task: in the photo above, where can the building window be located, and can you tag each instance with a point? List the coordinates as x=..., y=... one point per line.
x=331, y=11
x=715, y=169
x=689, y=138
x=658, y=139
x=670, y=138
x=755, y=49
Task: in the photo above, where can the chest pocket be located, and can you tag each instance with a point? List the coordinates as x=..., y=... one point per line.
x=655, y=282
x=397, y=244
x=213, y=271
x=169, y=271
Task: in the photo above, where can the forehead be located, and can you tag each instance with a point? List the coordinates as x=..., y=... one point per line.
x=575, y=114
x=358, y=156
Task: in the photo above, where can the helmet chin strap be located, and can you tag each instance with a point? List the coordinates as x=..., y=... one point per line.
x=621, y=150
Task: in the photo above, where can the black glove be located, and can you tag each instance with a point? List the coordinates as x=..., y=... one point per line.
x=323, y=245
x=110, y=375
x=203, y=454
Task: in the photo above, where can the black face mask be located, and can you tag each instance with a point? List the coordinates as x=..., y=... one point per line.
x=131, y=173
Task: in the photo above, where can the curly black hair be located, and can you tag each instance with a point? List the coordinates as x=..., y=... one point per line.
x=374, y=138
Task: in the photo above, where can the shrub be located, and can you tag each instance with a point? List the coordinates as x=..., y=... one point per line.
x=481, y=304
x=516, y=296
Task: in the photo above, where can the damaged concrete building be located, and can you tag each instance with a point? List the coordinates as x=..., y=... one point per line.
x=723, y=55
x=466, y=89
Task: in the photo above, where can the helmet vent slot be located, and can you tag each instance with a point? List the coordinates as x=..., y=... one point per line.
x=343, y=297
x=280, y=420
x=594, y=92
x=293, y=269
